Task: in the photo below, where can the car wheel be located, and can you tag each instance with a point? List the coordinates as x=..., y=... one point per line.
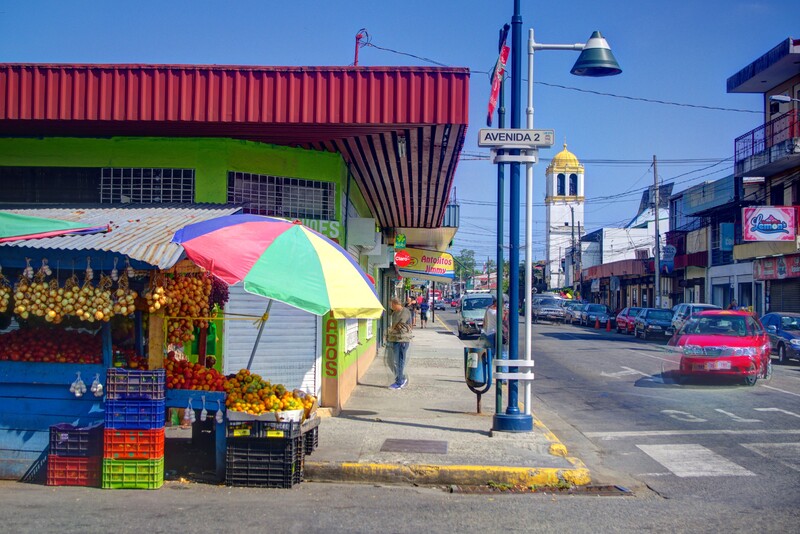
x=683, y=379
x=460, y=334
x=750, y=380
x=782, y=354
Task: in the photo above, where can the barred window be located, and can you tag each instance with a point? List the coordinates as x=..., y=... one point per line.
x=351, y=334
x=370, y=324
x=146, y=185
x=279, y=196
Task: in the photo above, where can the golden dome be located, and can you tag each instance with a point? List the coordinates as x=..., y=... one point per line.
x=564, y=161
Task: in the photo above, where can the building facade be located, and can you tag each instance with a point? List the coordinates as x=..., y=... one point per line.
x=564, y=199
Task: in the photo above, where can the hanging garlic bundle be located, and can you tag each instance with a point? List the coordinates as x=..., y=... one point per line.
x=114, y=271
x=28, y=271
x=124, y=298
x=5, y=292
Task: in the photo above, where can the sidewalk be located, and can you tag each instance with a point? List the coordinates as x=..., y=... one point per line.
x=449, y=443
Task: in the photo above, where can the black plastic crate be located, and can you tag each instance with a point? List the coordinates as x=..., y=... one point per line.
x=264, y=429
x=311, y=440
x=264, y=463
x=124, y=384
x=68, y=440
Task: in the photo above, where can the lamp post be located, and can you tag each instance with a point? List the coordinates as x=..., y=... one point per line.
x=595, y=60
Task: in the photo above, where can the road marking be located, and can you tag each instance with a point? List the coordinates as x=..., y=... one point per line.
x=692, y=460
x=683, y=416
x=781, y=390
x=786, y=453
x=627, y=372
x=608, y=436
x=787, y=412
x=655, y=357
x=737, y=418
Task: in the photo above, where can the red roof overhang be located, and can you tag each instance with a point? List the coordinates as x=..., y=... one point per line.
x=363, y=113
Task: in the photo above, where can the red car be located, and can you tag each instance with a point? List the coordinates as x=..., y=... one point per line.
x=723, y=343
x=625, y=320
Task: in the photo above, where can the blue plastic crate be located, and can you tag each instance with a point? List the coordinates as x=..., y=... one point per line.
x=134, y=414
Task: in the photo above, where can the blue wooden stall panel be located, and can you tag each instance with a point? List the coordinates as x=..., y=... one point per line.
x=35, y=396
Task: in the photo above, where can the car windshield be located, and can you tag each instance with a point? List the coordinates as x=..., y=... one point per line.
x=596, y=308
x=477, y=304
x=718, y=325
x=660, y=315
x=634, y=311
x=790, y=323
x=547, y=302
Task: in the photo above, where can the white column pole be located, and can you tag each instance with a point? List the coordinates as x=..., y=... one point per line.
x=528, y=231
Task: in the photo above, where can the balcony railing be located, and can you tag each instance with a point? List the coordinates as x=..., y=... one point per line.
x=767, y=144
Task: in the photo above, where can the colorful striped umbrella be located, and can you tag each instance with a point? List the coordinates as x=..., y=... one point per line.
x=284, y=261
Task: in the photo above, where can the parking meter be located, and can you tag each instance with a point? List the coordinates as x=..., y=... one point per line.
x=478, y=370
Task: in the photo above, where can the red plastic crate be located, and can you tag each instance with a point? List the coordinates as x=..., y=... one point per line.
x=74, y=470
x=133, y=444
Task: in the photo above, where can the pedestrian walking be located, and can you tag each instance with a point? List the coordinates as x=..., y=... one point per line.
x=423, y=312
x=411, y=304
x=398, y=338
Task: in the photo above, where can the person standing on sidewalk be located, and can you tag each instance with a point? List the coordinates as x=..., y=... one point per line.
x=489, y=330
x=398, y=338
x=411, y=305
x=423, y=312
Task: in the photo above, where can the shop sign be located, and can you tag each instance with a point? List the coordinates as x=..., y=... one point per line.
x=400, y=241
x=402, y=258
x=596, y=285
x=777, y=268
x=426, y=264
x=330, y=229
x=331, y=347
x=769, y=223
x=668, y=259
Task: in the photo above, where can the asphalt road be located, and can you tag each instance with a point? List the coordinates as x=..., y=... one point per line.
x=612, y=400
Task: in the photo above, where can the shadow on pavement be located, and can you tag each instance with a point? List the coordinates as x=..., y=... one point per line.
x=372, y=420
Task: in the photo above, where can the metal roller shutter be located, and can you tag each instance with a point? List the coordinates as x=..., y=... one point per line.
x=785, y=295
x=288, y=353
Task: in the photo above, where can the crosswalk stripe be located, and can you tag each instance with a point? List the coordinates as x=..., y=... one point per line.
x=692, y=460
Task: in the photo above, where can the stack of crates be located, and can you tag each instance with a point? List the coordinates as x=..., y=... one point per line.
x=133, y=454
x=263, y=454
x=74, y=458
x=310, y=430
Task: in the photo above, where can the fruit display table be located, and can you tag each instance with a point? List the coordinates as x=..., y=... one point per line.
x=179, y=398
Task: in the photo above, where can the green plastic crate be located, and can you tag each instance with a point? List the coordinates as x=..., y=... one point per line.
x=133, y=474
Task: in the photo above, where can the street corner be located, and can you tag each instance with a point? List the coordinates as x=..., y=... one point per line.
x=579, y=472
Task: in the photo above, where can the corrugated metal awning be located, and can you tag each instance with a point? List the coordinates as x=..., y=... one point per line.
x=143, y=234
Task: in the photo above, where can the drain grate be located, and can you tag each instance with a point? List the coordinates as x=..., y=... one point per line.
x=598, y=491
x=415, y=445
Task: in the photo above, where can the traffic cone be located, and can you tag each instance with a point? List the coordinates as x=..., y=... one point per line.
x=597, y=323
x=608, y=325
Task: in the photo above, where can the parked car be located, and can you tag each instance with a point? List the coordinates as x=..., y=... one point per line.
x=572, y=311
x=684, y=311
x=653, y=322
x=783, y=329
x=595, y=312
x=470, y=312
x=438, y=304
x=548, y=309
x=625, y=320
x=454, y=302
x=723, y=343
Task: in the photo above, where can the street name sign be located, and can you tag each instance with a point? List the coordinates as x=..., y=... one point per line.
x=512, y=137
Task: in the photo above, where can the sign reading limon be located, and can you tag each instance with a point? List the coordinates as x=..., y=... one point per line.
x=515, y=137
x=427, y=265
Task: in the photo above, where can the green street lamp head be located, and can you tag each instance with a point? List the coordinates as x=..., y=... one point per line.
x=596, y=59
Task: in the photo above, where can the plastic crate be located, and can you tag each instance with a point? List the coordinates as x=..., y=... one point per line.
x=71, y=440
x=124, y=384
x=133, y=474
x=264, y=429
x=311, y=440
x=134, y=415
x=74, y=470
x=264, y=463
x=133, y=444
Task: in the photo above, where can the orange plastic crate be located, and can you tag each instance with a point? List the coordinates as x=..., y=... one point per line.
x=133, y=444
x=74, y=470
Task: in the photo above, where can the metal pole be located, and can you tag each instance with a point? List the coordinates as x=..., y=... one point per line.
x=528, y=232
x=512, y=420
x=572, y=256
x=258, y=337
x=501, y=121
x=657, y=213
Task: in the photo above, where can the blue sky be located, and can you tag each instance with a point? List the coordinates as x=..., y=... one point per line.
x=681, y=51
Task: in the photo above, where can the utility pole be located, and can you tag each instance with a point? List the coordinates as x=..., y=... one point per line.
x=572, y=256
x=580, y=260
x=657, y=212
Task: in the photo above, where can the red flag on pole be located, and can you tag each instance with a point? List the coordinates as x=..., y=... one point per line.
x=499, y=70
